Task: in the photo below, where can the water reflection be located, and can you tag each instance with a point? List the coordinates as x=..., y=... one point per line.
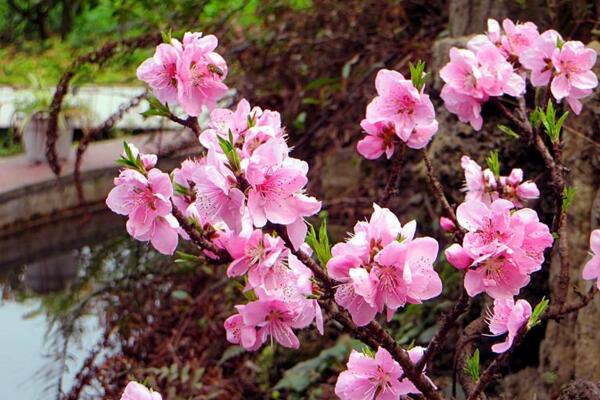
x=51, y=277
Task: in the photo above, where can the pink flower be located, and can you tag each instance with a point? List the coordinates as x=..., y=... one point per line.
x=352, y=278
x=223, y=121
x=573, y=63
x=217, y=196
x=276, y=189
x=508, y=317
x=275, y=318
x=591, y=270
x=538, y=58
x=504, y=247
x=463, y=74
x=258, y=255
x=519, y=37
x=574, y=96
x=367, y=283
x=494, y=35
x=375, y=378
x=240, y=333
x=136, y=391
x=400, y=103
x=497, y=74
x=514, y=189
x=466, y=107
x=480, y=185
x=147, y=203
x=183, y=176
x=381, y=138
x=403, y=273
x=200, y=72
x=382, y=228
x=160, y=73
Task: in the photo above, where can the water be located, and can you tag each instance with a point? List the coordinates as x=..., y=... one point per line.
x=49, y=316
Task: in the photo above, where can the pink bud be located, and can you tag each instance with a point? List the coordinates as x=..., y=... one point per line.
x=447, y=224
x=528, y=190
x=458, y=257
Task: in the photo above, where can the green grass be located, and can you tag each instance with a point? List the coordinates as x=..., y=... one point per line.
x=48, y=61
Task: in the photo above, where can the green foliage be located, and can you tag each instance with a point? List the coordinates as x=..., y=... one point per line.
x=129, y=160
x=304, y=374
x=548, y=119
x=228, y=147
x=568, y=196
x=508, y=131
x=319, y=242
x=537, y=313
x=493, y=162
x=156, y=108
x=472, y=367
x=417, y=74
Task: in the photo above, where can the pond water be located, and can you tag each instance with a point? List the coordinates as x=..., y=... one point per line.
x=49, y=320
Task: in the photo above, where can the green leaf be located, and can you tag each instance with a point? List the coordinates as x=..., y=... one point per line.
x=167, y=36
x=493, y=162
x=304, y=374
x=537, y=313
x=568, y=196
x=417, y=74
x=228, y=147
x=156, y=108
x=547, y=118
x=181, y=295
x=508, y=131
x=319, y=242
x=231, y=352
x=472, y=367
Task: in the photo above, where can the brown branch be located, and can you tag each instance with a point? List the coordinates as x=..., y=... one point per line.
x=222, y=256
x=190, y=122
x=464, y=349
x=438, y=191
x=488, y=374
x=95, y=57
x=391, y=186
x=87, y=138
x=558, y=313
x=447, y=320
x=554, y=164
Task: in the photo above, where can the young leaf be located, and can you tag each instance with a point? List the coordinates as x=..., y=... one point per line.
x=167, y=36
x=472, y=367
x=156, y=108
x=319, y=242
x=568, y=196
x=493, y=162
x=508, y=131
x=417, y=74
x=537, y=313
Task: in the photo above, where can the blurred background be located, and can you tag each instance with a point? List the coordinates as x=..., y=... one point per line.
x=84, y=308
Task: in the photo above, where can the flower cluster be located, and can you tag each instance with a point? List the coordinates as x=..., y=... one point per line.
x=483, y=185
x=143, y=194
x=501, y=248
x=281, y=283
x=375, y=377
x=497, y=63
x=382, y=266
x=188, y=73
x=399, y=113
